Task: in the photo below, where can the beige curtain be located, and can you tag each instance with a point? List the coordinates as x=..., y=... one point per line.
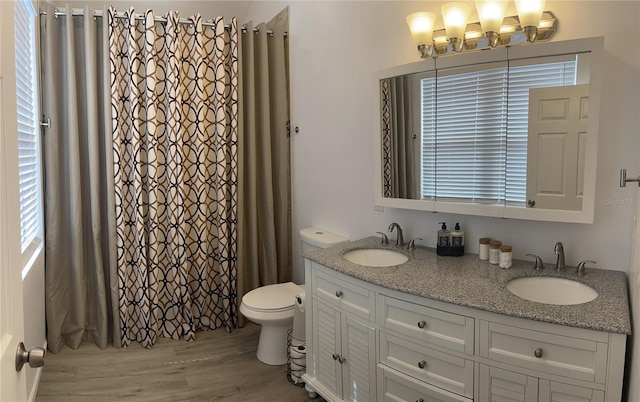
x=78, y=192
x=264, y=221
x=398, y=139
x=175, y=134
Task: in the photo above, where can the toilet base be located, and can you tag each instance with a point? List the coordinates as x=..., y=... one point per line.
x=272, y=346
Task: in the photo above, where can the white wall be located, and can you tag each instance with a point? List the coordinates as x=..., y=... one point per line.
x=633, y=354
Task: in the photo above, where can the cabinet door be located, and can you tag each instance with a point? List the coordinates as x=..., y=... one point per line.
x=551, y=391
x=359, y=364
x=326, y=346
x=506, y=386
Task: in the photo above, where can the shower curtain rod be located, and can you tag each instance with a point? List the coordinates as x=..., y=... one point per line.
x=139, y=17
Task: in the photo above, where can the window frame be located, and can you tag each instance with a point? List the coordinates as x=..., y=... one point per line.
x=33, y=244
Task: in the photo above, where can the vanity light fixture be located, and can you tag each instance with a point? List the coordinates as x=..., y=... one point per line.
x=421, y=27
x=493, y=30
x=455, y=17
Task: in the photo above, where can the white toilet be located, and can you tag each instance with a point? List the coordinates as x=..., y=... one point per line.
x=273, y=306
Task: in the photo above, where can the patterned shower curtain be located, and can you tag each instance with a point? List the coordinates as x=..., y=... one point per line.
x=174, y=90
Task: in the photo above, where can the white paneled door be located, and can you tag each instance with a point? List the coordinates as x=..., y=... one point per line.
x=12, y=382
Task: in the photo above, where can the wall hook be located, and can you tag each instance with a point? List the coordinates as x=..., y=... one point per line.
x=624, y=180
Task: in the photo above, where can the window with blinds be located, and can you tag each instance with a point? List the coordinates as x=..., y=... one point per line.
x=474, y=140
x=28, y=126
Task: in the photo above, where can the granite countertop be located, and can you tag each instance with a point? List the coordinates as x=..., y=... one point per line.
x=468, y=281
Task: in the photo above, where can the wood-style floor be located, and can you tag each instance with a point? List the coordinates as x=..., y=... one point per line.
x=218, y=366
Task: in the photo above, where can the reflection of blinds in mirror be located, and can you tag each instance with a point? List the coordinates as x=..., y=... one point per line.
x=474, y=148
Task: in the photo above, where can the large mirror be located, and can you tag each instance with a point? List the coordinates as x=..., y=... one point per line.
x=510, y=132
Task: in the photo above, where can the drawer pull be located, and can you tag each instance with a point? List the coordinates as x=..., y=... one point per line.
x=342, y=359
x=538, y=353
x=339, y=293
x=422, y=324
x=422, y=364
x=335, y=356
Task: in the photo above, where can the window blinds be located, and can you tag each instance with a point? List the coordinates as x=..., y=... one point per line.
x=474, y=130
x=28, y=130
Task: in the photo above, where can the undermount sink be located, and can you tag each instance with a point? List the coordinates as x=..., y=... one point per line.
x=550, y=290
x=375, y=257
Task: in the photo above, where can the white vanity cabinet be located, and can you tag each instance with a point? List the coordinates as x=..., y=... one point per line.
x=366, y=342
x=343, y=358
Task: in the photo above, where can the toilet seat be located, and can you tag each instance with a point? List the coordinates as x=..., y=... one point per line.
x=272, y=298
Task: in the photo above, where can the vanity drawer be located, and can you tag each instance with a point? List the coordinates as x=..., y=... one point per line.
x=340, y=291
x=443, y=370
x=582, y=359
x=394, y=386
x=427, y=325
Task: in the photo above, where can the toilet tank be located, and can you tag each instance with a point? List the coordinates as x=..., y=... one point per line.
x=314, y=239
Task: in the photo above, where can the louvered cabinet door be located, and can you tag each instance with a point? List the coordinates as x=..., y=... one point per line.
x=506, y=386
x=551, y=391
x=327, y=347
x=359, y=360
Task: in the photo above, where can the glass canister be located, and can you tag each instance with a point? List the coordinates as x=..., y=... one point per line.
x=483, y=253
x=494, y=251
x=505, y=256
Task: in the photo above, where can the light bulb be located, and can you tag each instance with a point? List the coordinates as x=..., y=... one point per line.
x=421, y=27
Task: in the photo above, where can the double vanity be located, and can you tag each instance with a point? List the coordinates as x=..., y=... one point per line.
x=389, y=324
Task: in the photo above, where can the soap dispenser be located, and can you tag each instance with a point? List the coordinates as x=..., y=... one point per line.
x=457, y=241
x=444, y=236
x=457, y=237
x=444, y=240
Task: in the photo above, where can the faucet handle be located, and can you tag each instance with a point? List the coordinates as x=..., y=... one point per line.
x=581, y=265
x=539, y=265
x=412, y=243
x=385, y=239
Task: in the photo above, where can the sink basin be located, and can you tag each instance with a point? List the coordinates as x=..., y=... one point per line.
x=375, y=257
x=549, y=290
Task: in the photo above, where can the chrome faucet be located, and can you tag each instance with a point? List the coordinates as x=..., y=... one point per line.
x=412, y=243
x=399, y=239
x=580, y=269
x=385, y=239
x=559, y=250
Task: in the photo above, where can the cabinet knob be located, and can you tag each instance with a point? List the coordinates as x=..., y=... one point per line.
x=422, y=324
x=538, y=353
x=420, y=400
x=339, y=293
x=342, y=359
x=335, y=356
x=422, y=364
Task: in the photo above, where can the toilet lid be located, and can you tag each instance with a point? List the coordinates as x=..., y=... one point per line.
x=272, y=297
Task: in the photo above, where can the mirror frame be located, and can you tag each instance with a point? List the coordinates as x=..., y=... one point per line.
x=586, y=215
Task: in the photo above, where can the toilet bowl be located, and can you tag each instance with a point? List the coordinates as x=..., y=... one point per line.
x=272, y=307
